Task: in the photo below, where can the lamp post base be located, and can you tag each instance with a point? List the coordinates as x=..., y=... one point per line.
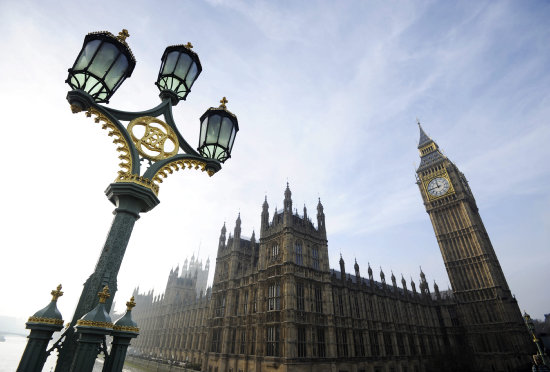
x=130, y=200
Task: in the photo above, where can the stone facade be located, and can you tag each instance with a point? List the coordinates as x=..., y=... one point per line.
x=275, y=304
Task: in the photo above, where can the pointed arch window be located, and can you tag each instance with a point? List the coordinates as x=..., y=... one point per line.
x=274, y=252
x=315, y=257
x=298, y=251
x=274, y=297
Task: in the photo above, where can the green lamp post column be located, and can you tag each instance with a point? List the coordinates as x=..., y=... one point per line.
x=124, y=330
x=42, y=325
x=91, y=331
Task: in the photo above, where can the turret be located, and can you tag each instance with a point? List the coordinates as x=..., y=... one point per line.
x=342, y=268
x=237, y=233
x=221, y=244
x=424, y=289
x=287, y=203
x=436, y=290
x=288, y=200
x=265, y=216
x=252, y=249
x=321, y=219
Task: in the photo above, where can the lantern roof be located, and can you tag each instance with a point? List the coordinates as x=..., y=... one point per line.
x=120, y=39
x=188, y=48
x=222, y=109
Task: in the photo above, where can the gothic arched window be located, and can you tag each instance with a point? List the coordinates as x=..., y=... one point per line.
x=315, y=257
x=298, y=251
x=274, y=251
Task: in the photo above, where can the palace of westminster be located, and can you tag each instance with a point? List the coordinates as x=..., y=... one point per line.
x=276, y=305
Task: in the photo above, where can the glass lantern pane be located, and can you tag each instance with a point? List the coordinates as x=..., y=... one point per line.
x=116, y=72
x=225, y=132
x=104, y=59
x=182, y=66
x=192, y=75
x=210, y=151
x=170, y=63
x=230, y=147
x=86, y=55
x=204, y=125
x=213, y=129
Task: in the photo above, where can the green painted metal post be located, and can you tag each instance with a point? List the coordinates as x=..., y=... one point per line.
x=130, y=200
x=124, y=330
x=42, y=325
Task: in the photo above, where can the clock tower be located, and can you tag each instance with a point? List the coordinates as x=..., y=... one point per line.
x=490, y=315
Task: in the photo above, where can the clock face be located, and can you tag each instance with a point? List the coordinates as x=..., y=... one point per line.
x=438, y=186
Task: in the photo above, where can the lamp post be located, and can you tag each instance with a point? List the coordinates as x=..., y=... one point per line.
x=531, y=327
x=102, y=65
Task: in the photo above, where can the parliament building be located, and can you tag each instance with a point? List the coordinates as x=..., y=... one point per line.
x=277, y=305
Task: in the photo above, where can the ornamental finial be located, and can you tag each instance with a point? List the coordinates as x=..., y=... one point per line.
x=189, y=45
x=223, y=101
x=131, y=304
x=122, y=35
x=103, y=295
x=56, y=293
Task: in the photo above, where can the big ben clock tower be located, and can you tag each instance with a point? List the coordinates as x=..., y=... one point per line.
x=494, y=329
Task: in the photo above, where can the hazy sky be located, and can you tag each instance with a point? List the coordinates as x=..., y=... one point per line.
x=327, y=94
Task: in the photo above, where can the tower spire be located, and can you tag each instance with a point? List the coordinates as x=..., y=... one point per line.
x=429, y=150
x=424, y=138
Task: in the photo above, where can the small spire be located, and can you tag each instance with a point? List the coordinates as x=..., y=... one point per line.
x=223, y=101
x=131, y=304
x=56, y=293
x=103, y=295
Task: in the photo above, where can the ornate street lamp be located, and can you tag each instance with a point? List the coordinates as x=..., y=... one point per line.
x=179, y=69
x=218, y=130
x=102, y=65
x=104, y=62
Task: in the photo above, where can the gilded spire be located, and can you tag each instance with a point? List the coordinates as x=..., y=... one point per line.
x=56, y=293
x=103, y=295
x=130, y=304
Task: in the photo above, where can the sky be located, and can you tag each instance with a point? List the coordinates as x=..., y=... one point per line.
x=327, y=95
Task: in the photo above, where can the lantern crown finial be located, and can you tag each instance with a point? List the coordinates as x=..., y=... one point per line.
x=223, y=101
x=189, y=45
x=122, y=35
x=130, y=304
x=56, y=293
x=103, y=295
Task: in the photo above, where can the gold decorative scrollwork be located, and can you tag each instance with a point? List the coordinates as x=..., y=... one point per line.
x=134, y=178
x=119, y=140
x=93, y=323
x=152, y=143
x=36, y=319
x=177, y=165
x=125, y=328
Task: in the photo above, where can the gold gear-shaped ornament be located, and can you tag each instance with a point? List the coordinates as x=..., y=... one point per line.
x=154, y=139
